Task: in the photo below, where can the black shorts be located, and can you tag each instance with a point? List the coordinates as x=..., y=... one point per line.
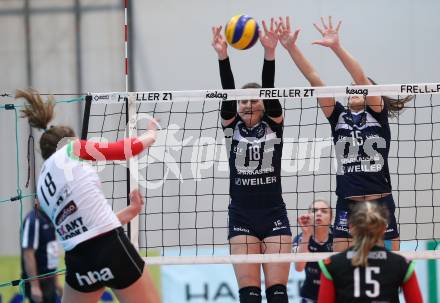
x=343, y=210
x=109, y=260
x=260, y=223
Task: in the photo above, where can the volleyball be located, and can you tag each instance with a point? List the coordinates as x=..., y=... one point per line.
x=241, y=32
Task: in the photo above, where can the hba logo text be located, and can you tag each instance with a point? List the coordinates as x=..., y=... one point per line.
x=91, y=277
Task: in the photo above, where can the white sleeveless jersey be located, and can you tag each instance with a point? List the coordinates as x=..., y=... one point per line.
x=69, y=192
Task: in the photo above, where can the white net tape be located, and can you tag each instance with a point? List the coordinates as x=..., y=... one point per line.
x=269, y=93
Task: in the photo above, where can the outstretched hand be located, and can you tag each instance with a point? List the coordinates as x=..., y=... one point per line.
x=269, y=37
x=149, y=137
x=285, y=35
x=219, y=42
x=330, y=35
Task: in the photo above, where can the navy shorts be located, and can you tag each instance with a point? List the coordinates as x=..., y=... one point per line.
x=260, y=223
x=343, y=209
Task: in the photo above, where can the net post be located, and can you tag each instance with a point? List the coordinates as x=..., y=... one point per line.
x=86, y=117
x=133, y=170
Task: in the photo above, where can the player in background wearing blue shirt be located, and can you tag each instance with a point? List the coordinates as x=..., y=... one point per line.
x=316, y=236
x=39, y=256
x=361, y=135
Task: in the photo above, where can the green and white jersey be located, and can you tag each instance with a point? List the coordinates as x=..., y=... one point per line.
x=70, y=193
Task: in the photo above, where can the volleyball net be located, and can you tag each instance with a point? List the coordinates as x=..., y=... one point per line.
x=185, y=175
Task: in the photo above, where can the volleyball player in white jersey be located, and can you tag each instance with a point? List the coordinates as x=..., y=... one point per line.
x=98, y=254
x=363, y=127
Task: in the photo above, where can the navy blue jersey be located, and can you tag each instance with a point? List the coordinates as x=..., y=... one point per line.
x=39, y=235
x=362, y=144
x=377, y=282
x=255, y=163
x=310, y=287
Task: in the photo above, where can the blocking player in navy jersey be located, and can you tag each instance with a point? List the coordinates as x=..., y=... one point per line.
x=316, y=236
x=258, y=220
x=98, y=253
x=367, y=272
x=361, y=135
x=39, y=256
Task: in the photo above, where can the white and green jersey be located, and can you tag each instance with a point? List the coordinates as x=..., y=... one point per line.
x=70, y=193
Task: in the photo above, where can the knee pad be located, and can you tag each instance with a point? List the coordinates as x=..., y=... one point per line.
x=277, y=294
x=250, y=294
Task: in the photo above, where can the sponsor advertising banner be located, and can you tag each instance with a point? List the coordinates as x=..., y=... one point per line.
x=217, y=283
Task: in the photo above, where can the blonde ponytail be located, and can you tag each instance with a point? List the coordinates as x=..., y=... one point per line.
x=368, y=222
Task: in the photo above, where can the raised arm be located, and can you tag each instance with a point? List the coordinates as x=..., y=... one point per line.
x=330, y=39
x=269, y=41
x=228, y=110
x=119, y=150
x=305, y=222
x=288, y=40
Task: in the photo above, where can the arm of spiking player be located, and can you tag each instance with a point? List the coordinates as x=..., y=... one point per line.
x=288, y=40
x=330, y=38
x=131, y=211
x=269, y=40
x=119, y=150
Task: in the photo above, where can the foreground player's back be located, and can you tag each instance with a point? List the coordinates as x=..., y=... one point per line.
x=379, y=281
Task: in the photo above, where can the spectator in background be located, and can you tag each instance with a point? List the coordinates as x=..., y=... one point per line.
x=39, y=255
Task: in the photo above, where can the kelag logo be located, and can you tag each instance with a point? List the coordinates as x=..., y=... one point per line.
x=354, y=91
x=216, y=95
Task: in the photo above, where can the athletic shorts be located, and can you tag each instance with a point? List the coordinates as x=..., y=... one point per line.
x=343, y=210
x=109, y=260
x=260, y=223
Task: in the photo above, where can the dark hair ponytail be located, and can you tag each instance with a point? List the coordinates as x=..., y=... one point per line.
x=394, y=105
